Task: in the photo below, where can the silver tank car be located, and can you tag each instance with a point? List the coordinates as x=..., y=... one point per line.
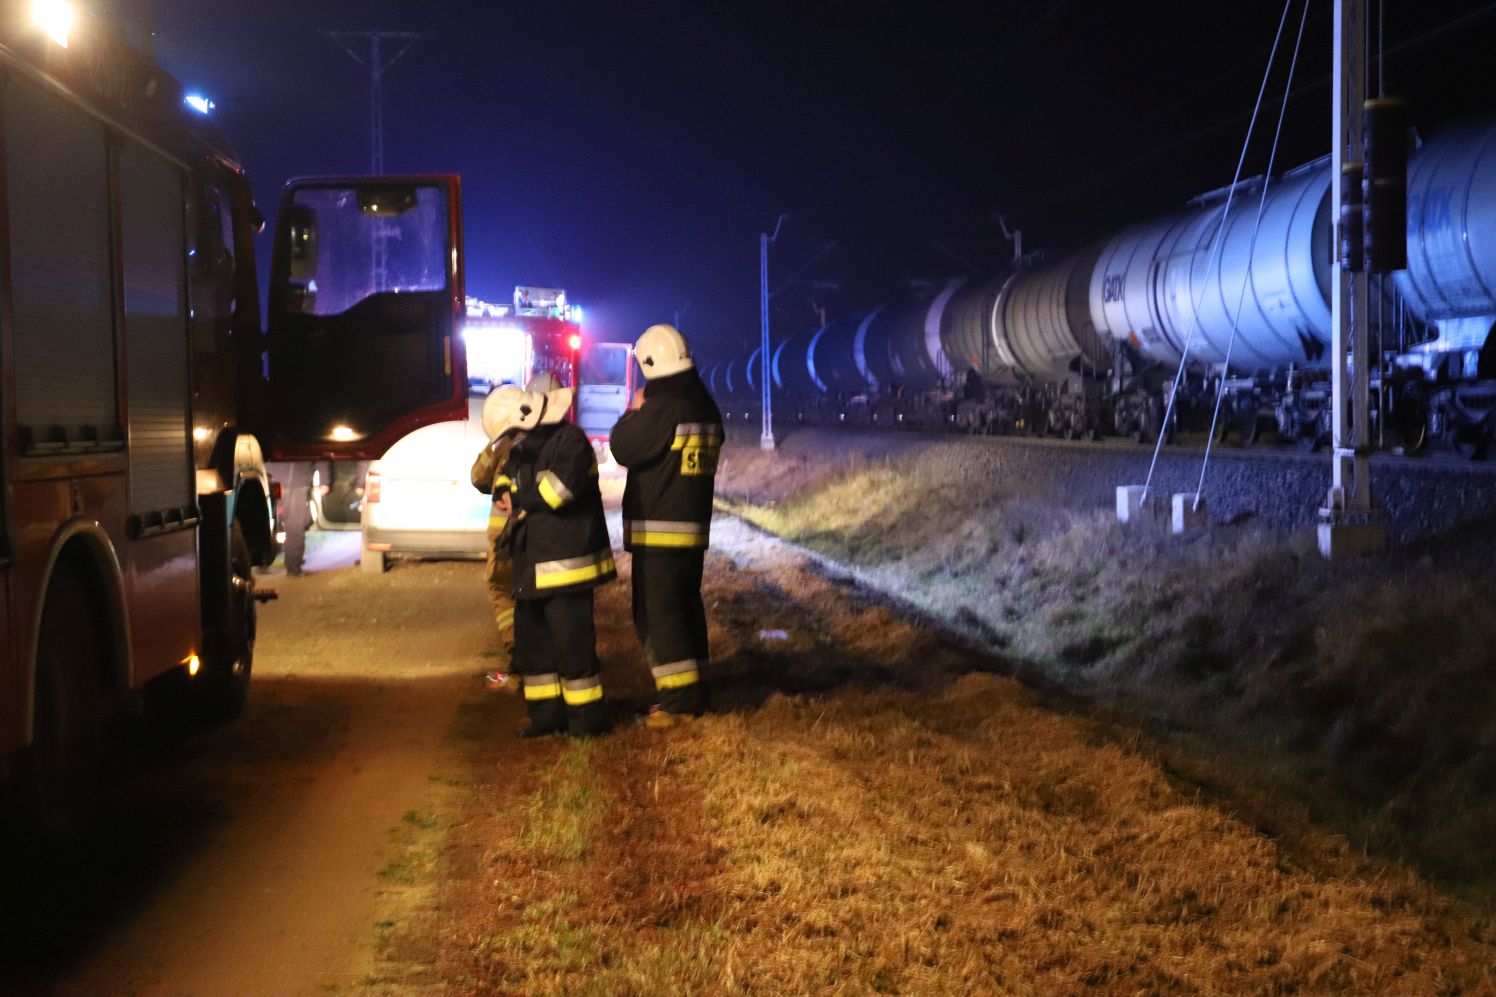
x=1451, y=276
x=832, y=358
x=715, y=377
x=902, y=348
x=790, y=368
x=966, y=331
x=1157, y=287
x=1042, y=324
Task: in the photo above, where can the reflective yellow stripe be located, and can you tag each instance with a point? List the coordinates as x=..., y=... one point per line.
x=548, y=691
x=677, y=680
x=497, y=520
x=505, y=619
x=559, y=578
x=502, y=481
x=555, y=493
x=589, y=693
x=649, y=539
x=583, y=697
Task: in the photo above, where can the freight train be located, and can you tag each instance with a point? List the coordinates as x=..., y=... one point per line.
x=1089, y=341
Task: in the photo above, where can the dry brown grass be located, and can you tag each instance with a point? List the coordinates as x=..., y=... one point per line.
x=903, y=827
x=1365, y=692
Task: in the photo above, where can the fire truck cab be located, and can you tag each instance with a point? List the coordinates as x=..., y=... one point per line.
x=141, y=397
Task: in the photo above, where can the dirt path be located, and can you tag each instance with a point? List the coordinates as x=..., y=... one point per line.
x=273, y=856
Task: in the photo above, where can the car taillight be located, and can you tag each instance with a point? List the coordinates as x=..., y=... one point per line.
x=371, y=487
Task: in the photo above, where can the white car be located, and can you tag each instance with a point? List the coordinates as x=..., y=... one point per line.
x=419, y=500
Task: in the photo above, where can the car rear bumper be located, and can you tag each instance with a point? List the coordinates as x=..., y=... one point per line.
x=427, y=543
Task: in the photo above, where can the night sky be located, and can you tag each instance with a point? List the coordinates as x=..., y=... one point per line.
x=633, y=152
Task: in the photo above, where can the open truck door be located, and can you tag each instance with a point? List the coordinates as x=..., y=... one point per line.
x=363, y=339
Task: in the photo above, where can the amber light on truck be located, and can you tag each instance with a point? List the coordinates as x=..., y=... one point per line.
x=194, y=664
x=55, y=17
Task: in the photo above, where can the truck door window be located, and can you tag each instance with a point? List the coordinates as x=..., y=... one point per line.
x=362, y=341
x=346, y=245
x=606, y=364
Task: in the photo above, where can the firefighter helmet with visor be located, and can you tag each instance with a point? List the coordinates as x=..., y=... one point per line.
x=509, y=408
x=662, y=351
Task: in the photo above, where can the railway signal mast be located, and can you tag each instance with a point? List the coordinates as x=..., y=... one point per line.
x=766, y=440
x=1350, y=523
x=378, y=63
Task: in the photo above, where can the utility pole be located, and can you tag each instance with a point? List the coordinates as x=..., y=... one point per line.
x=377, y=63
x=1350, y=523
x=766, y=441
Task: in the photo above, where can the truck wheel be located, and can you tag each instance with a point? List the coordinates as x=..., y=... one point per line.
x=60, y=773
x=219, y=693
x=230, y=689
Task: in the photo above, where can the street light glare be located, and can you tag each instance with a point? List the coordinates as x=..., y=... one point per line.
x=55, y=17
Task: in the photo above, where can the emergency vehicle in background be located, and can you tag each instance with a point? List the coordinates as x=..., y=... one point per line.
x=142, y=398
x=417, y=499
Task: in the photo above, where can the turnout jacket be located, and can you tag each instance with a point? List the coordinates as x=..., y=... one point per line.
x=670, y=445
x=560, y=541
x=486, y=476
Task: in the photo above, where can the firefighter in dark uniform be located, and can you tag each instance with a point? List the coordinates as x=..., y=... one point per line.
x=560, y=553
x=485, y=475
x=486, y=470
x=670, y=442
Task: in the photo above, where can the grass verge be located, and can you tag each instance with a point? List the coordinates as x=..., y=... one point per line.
x=1363, y=691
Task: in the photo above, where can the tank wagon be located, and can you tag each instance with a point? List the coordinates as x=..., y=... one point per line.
x=1089, y=341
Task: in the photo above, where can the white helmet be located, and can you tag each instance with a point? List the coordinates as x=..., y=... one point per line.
x=545, y=382
x=662, y=351
x=557, y=398
x=509, y=408
x=557, y=404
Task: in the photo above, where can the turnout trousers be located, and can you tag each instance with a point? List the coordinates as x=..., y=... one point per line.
x=498, y=577
x=555, y=649
x=671, y=623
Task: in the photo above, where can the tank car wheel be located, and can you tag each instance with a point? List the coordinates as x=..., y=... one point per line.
x=1414, y=437
x=1249, y=428
x=1472, y=444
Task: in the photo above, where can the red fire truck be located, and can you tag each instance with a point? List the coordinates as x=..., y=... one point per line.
x=140, y=397
x=542, y=331
x=509, y=344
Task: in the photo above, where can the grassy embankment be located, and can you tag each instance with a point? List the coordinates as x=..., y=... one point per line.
x=1367, y=692
x=900, y=826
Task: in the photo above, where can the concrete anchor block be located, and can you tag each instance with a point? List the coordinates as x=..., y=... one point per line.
x=1344, y=534
x=1187, y=514
x=1130, y=503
